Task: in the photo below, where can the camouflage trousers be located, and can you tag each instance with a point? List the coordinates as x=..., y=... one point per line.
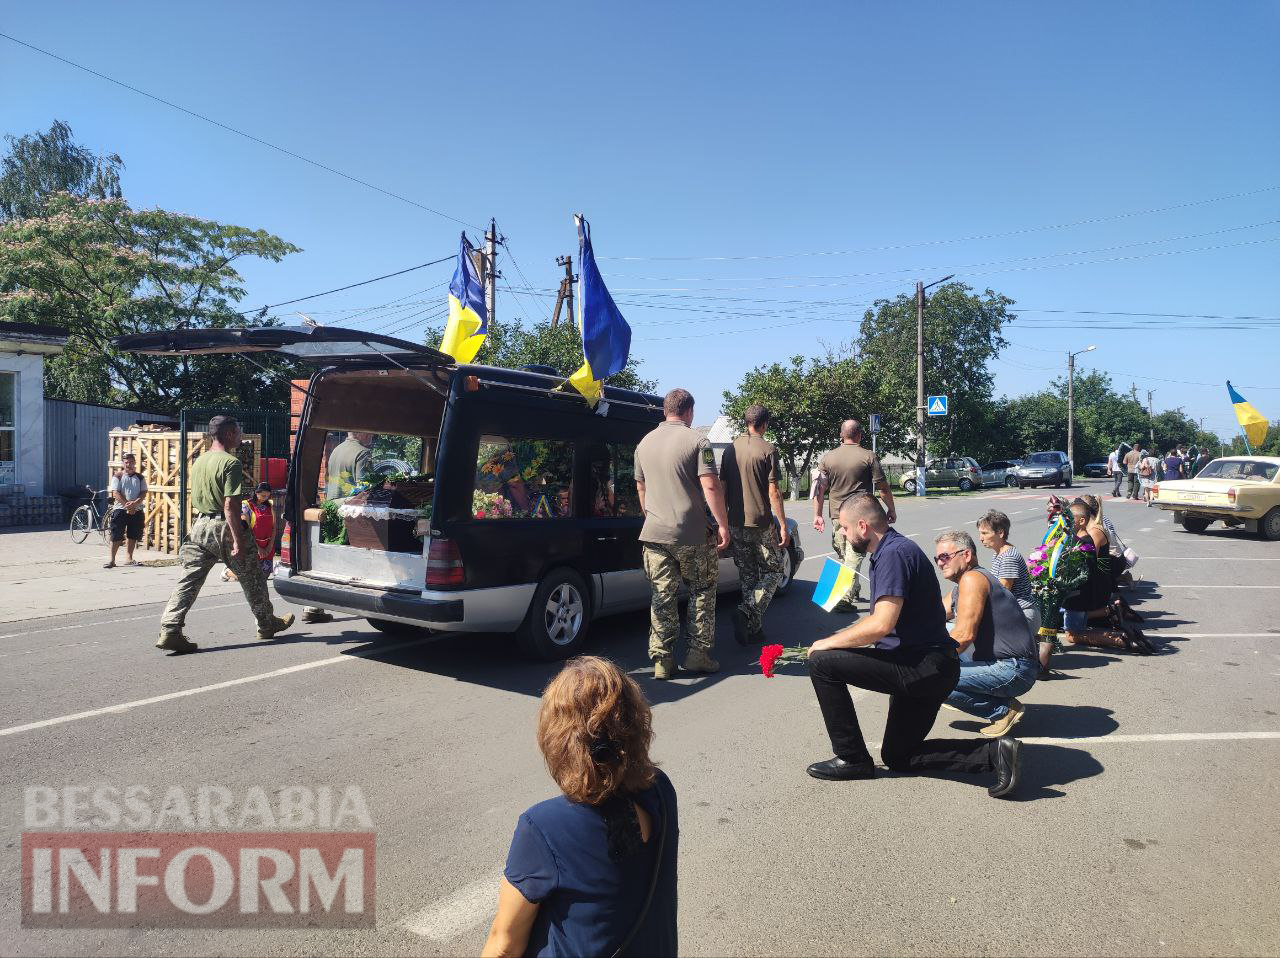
x=758, y=555
x=668, y=567
x=846, y=554
x=208, y=542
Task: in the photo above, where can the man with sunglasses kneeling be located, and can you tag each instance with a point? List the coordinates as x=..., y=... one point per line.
x=989, y=621
x=902, y=649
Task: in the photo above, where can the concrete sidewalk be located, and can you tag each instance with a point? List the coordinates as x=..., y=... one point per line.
x=43, y=573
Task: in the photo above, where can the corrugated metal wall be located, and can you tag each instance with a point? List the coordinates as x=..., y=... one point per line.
x=75, y=441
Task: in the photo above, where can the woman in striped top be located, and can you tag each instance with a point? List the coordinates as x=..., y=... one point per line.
x=1011, y=569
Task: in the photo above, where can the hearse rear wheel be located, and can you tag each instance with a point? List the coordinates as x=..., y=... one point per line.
x=1195, y=523
x=788, y=570
x=559, y=617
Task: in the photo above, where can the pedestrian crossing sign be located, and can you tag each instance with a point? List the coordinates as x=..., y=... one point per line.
x=937, y=405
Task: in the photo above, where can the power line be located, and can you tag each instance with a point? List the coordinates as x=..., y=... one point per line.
x=248, y=136
x=507, y=246
x=327, y=292
x=959, y=239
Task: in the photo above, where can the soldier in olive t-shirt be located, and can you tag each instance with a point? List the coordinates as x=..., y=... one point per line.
x=677, y=545
x=844, y=472
x=757, y=523
x=217, y=477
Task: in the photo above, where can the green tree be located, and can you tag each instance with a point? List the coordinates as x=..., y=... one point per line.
x=962, y=334
x=40, y=165
x=511, y=345
x=100, y=269
x=808, y=400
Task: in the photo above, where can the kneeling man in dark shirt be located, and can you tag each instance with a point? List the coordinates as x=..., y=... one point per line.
x=902, y=649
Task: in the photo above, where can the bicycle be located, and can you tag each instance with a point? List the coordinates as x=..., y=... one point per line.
x=87, y=518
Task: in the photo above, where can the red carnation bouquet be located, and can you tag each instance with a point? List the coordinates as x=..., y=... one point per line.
x=772, y=655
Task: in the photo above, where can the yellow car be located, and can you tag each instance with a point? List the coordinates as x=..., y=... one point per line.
x=1239, y=490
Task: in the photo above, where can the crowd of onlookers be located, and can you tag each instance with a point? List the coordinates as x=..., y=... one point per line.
x=1135, y=469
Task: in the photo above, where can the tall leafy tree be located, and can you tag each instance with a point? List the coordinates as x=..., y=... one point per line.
x=100, y=268
x=807, y=399
x=962, y=334
x=513, y=344
x=39, y=165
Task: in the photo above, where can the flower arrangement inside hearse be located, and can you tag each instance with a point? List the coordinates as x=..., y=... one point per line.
x=386, y=514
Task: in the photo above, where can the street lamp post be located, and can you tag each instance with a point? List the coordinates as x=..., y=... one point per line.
x=1071, y=406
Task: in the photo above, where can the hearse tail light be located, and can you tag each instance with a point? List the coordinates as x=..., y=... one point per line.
x=286, y=544
x=444, y=564
x=1231, y=494
x=1155, y=490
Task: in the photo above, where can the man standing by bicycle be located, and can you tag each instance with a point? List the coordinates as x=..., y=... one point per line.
x=218, y=534
x=126, y=490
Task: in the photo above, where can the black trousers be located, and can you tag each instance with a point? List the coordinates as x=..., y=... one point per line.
x=917, y=683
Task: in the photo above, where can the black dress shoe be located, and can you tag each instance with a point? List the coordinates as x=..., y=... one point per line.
x=758, y=637
x=1008, y=761
x=838, y=770
x=741, y=631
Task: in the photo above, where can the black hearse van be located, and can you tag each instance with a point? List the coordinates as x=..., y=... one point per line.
x=534, y=519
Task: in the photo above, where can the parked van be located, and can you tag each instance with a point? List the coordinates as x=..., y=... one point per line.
x=520, y=513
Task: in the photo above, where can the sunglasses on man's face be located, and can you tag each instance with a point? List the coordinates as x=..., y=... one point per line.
x=943, y=558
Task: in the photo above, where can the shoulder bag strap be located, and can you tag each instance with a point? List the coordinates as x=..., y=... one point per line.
x=653, y=879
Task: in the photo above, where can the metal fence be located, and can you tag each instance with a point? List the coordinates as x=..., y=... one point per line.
x=76, y=447
x=271, y=424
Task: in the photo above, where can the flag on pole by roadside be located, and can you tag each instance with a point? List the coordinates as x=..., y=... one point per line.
x=834, y=582
x=606, y=337
x=1252, y=423
x=468, y=316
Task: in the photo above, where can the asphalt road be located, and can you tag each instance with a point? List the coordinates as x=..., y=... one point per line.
x=1146, y=823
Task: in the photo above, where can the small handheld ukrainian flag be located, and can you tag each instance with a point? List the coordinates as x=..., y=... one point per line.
x=1252, y=423
x=468, y=316
x=833, y=584
x=606, y=337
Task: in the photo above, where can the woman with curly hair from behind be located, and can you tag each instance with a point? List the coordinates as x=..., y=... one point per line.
x=593, y=870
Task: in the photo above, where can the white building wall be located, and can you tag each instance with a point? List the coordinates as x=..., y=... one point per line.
x=30, y=418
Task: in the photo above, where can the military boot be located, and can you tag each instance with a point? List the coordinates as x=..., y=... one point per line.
x=664, y=668
x=176, y=643
x=698, y=660
x=278, y=626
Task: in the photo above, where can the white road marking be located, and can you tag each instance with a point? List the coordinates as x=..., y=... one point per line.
x=94, y=625
x=1210, y=559
x=1157, y=737
x=1147, y=529
x=940, y=528
x=244, y=680
x=1139, y=739
x=1220, y=635
x=454, y=914
x=1161, y=585
x=823, y=556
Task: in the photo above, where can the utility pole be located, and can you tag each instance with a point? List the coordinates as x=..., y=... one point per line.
x=491, y=273
x=1071, y=405
x=1151, y=418
x=919, y=388
x=920, y=410
x=565, y=294
x=1133, y=391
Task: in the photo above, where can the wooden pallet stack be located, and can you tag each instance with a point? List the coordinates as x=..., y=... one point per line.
x=160, y=462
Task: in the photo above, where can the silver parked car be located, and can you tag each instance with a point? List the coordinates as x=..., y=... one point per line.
x=1000, y=472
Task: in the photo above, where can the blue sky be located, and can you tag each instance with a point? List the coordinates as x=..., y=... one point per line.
x=724, y=130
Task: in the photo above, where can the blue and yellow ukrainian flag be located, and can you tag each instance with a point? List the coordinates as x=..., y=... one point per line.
x=468, y=316
x=833, y=584
x=606, y=337
x=1252, y=423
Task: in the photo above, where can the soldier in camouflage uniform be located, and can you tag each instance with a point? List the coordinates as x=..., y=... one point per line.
x=217, y=486
x=843, y=473
x=675, y=475
x=749, y=473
